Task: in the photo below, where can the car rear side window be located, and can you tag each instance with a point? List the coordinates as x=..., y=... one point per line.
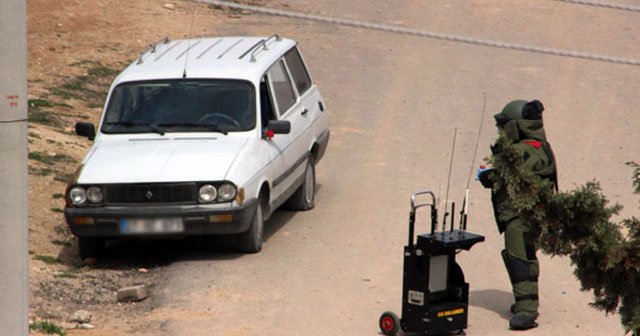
x=298, y=70
x=281, y=87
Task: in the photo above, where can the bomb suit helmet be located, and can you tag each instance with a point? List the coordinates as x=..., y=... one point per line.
x=519, y=109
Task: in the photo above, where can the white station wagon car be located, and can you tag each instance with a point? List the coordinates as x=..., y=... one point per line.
x=199, y=137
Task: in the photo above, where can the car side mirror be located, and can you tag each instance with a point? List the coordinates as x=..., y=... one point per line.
x=86, y=129
x=279, y=126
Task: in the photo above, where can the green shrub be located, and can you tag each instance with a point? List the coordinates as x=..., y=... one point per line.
x=61, y=242
x=578, y=224
x=47, y=327
x=49, y=159
x=39, y=112
x=49, y=260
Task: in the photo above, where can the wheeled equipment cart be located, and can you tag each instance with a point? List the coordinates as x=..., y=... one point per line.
x=435, y=296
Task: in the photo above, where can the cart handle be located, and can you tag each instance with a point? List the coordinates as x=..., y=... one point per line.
x=412, y=214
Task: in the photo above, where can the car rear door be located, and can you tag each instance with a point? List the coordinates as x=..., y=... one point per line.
x=307, y=97
x=311, y=105
x=287, y=107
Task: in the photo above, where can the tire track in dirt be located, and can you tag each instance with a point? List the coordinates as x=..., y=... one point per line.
x=394, y=102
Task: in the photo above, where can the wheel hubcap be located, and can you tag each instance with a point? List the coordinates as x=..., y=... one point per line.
x=259, y=223
x=309, y=184
x=387, y=323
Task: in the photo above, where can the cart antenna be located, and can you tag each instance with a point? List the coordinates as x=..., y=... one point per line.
x=465, y=202
x=475, y=150
x=437, y=205
x=453, y=150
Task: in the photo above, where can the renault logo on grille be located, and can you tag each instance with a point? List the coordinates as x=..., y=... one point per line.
x=149, y=194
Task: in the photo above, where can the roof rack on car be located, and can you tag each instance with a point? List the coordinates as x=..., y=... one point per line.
x=152, y=48
x=187, y=50
x=251, y=48
x=229, y=49
x=255, y=48
x=209, y=48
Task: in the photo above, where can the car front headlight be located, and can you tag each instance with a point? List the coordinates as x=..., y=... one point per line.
x=226, y=192
x=94, y=194
x=78, y=195
x=207, y=193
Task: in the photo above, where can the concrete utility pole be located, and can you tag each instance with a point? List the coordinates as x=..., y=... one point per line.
x=14, y=307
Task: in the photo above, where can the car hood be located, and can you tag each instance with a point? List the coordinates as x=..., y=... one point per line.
x=160, y=160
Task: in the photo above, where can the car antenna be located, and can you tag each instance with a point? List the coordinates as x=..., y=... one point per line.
x=186, y=59
x=465, y=202
x=446, y=198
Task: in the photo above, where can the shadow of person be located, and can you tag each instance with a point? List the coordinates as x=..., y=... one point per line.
x=492, y=299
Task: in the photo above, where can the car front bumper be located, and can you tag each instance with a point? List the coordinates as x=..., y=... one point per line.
x=198, y=219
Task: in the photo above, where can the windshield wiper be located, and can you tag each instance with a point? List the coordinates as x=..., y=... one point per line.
x=153, y=127
x=209, y=127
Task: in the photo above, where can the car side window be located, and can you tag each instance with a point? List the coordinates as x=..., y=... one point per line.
x=266, y=105
x=281, y=86
x=298, y=70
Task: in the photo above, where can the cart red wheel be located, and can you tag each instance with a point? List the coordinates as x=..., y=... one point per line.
x=389, y=323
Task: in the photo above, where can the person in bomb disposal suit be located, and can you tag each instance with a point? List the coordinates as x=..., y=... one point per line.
x=521, y=122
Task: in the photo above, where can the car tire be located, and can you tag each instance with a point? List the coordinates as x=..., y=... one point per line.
x=303, y=198
x=251, y=240
x=90, y=247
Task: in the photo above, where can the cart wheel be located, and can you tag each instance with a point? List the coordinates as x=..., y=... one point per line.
x=389, y=323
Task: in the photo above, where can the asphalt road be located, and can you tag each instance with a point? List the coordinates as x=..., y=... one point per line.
x=394, y=102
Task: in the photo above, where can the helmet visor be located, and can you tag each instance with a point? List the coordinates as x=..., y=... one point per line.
x=501, y=119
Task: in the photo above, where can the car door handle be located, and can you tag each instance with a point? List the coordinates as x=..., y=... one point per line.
x=304, y=111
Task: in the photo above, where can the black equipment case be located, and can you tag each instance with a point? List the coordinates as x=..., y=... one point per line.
x=435, y=296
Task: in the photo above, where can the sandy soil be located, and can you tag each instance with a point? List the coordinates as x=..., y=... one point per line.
x=75, y=50
x=394, y=101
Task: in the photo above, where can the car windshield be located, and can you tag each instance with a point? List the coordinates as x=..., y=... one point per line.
x=185, y=105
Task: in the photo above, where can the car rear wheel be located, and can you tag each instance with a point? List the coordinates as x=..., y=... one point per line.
x=304, y=196
x=251, y=240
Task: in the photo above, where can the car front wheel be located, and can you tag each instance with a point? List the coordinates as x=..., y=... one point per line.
x=251, y=240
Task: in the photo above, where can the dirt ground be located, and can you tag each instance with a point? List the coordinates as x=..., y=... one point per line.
x=75, y=50
x=394, y=102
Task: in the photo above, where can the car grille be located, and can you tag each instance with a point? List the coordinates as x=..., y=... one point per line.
x=182, y=193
